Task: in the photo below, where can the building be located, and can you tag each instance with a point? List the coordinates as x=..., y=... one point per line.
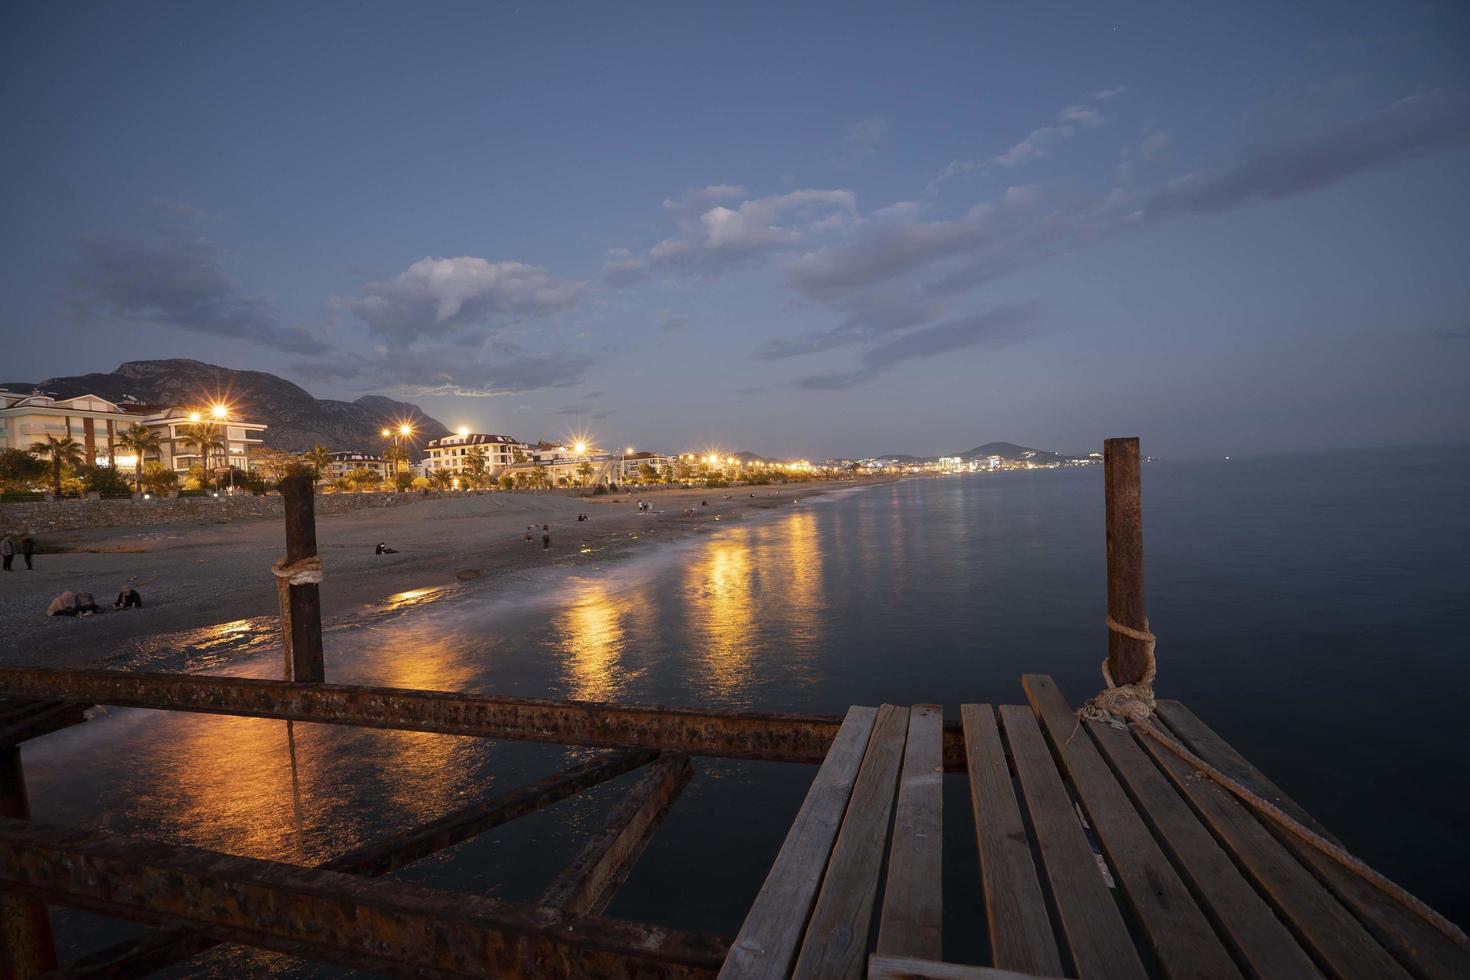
x=91, y=420
x=449, y=453
x=342, y=463
x=180, y=451
x=628, y=467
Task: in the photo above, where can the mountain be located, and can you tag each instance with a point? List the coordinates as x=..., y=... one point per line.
x=297, y=420
x=1013, y=452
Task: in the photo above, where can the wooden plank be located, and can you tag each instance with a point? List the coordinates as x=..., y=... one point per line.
x=908, y=968
x=1421, y=948
x=1092, y=924
x=836, y=941
x=1328, y=930
x=913, y=904
x=1178, y=932
x=161, y=948
x=587, y=884
x=1205, y=743
x=767, y=943
x=1257, y=936
x=1015, y=910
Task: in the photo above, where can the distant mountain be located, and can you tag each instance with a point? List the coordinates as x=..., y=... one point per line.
x=1011, y=451
x=746, y=456
x=297, y=421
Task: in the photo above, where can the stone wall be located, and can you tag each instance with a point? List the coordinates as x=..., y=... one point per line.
x=76, y=515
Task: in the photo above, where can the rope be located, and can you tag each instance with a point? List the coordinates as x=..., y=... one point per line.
x=306, y=571
x=1125, y=706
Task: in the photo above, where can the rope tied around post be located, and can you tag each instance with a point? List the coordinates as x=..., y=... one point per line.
x=1118, y=704
x=307, y=571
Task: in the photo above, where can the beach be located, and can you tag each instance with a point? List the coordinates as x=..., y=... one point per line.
x=202, y=574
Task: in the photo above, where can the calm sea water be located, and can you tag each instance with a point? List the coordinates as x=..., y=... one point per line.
x=1310, y=608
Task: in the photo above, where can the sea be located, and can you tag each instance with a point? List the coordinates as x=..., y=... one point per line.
x=1311, y=608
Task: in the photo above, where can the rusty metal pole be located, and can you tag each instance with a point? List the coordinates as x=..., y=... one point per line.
x=303, y=635
x=1127, y=656
x=26, y=945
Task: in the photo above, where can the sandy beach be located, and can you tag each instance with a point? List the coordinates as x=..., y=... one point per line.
x=195, y=575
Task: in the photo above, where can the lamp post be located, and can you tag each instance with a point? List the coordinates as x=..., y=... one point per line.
x=403, y=431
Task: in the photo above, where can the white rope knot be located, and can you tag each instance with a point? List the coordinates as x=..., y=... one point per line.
x=307, y=571
x=1120, y=704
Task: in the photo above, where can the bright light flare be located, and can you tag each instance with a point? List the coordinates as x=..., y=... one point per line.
x=219, y=411
x=464, y=432
x=580, y=449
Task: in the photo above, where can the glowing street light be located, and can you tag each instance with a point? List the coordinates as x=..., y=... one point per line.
x=405, y=430
x=386, y=433
x=219, y=411
x=194, y=416
x=580, y=449
x=464, y=432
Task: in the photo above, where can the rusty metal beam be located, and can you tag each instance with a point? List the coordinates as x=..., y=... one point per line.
x=26, y=945
x=161, y=948
x=587, y=884
x=388, y=927
x=730, y=734
x=770, y=737
x=39, y=718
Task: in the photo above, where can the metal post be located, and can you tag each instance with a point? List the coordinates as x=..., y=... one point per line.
x=304, y=634
x=1127, y=656
x=26, y=946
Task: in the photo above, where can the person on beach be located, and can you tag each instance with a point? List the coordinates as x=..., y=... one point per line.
x=128, y=598
x=7, y=553
x=28, y=551
x=86, y=605
x=63, y=605
x=383, y=549
x=545, y=536
x=530, y=533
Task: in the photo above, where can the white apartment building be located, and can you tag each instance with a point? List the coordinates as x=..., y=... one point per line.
x=91, y=420
x=448, y=454
x=178, y=451
x=342, y=463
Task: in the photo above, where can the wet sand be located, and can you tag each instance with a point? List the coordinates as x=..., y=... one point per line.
x=195, y=575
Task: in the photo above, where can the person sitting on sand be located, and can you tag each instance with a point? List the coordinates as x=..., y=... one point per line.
x=128, y=598
x=383, y=549
x=63, y=605
x=545, y=536
x=86, y=605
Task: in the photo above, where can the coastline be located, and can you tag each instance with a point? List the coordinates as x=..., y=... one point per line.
x=196, y=576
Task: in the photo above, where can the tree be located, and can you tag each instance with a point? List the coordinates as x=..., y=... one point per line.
x=19, y=469
x=65, y=451
x=584, y=471
x=205, y=437
x=140, y=440
x=364, y=478
x=404, y=480
x=648, y=473
x=393, y=455
x=158, y=479
x=507, y=481
x=102, y=479
x=474, y=466
x=319, y=459
x=517, y=455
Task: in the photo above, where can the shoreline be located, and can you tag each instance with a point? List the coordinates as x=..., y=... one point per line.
x=197, y=576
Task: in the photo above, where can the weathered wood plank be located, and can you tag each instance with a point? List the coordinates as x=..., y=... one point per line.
x=1324, y=926
x=913, y=902
x=1094, y=929
x=356, y=922
x=767, y=943
x=1257, y=936
x=1015, y=910
x=1178, y=932
x=908, y=968
x=1421, y=948
x=587, y=884
x=1205, y=743
x=836, y=941
x=160, y=948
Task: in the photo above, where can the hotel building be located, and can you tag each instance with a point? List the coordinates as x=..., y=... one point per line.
x=449, y=454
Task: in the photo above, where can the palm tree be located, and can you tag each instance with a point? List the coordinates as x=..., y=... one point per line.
x=319, y=459
x=141, y=441
x=206, y=438
x=65, y=450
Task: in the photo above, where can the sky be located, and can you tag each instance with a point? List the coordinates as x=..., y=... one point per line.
x=802, y=229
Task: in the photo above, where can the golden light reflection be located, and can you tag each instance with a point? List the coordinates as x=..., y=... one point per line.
x=724, y=610
x=591, y=629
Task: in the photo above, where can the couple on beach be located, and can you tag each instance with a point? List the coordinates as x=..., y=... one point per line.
x=545, y=535
x=7, y=552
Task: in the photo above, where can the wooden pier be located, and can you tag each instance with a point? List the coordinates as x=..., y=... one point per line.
x=1105, y=850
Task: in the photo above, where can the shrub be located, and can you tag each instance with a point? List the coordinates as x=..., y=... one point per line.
x=104, y=480
x=599, y=491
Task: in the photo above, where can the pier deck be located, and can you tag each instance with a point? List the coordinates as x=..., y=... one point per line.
x=1101, y=854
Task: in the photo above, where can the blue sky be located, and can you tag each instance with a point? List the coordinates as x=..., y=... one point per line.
x=796, y=228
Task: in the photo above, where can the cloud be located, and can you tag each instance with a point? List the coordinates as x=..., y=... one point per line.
x=175, y=281
x=450, y=369
x=580, y=411
x=1414, y=126
x=712, y=237
x=435, y=297
x=674, y=322
x=1037, y=144
x=861, y=141
x=1005, y=325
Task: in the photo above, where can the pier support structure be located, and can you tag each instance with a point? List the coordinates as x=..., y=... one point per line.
x=1127, y=655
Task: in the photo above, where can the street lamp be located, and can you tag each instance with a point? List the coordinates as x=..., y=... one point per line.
x=403, y=432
